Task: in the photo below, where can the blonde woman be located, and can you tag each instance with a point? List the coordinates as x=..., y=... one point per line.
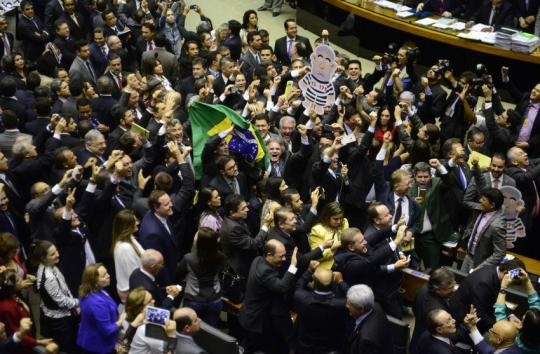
x=330, y=226
x=127, y=250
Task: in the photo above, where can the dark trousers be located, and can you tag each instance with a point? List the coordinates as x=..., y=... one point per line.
x=62, y=330
x=207, y=311
x=428, y=249
x=275, y=338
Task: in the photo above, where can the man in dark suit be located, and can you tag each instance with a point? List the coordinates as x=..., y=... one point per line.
x=94, y=146
x=31, y=32
x=6, y=177
x=264, y=315
x=6, y=38
x=486, y=233
x=81, y=69
x=285, y=222
x=146, y=41
x=436, y=340
x=284, y=45
x=321, y=311
x=112, y=27
x=331, y=176
x=371, y=328
x=8, y=101
x=103, y=105
x=99, y=52
x=480, y=289
x=152, y=264
x=435, y=226
x=306, y=216
x=187, y=325
x=229, y=180
x=494, y=178
x=43, y=111
x=434, y=295
x=76, y=22
x=53, y=11
x=495, y=13
x=156, y=232
x=228, y=75
x=64, y=42
x=116, y=75
x=251, y=59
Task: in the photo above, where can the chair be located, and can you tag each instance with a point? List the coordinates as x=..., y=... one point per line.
x=400, y=334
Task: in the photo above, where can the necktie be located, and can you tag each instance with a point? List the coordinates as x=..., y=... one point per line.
x=289, y=48
x=234, y=187
x=11, y=224
x=7, y=47
x=90, y=70
x=277, y=170
x=441, y=6
x=10, y=185
x=74, y=18
x=496, y=183
x=150, y=45
x=472, y=240
x=118, y=80
x=35, y=23
x=536, y=210
x=397, y=216
x=104, y=51
x=462, y=179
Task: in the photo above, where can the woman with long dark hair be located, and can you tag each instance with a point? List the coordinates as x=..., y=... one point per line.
x=250, y=23
x=201, y=270
x=208, y=204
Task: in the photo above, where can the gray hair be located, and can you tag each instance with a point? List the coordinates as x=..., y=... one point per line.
x=150, y=257
x=285, y=119
x=92, y=136
x=104, y=85
x=360, y=297
x=21, y=147
x=55, y=85
x=510, y=154
x=407, y=96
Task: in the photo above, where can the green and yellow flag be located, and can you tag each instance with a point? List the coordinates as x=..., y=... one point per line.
x=208, y=120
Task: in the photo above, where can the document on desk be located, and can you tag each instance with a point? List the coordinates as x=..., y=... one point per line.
x=458, y=26
x=479, y=27
x=404, y=14
x=485, y=37
x=444, y=23
x=426, y=21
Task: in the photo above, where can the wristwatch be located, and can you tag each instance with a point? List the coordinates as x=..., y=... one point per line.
x=502, y=291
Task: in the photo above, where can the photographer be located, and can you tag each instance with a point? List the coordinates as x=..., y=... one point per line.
x=432, y=98
x=401, y=74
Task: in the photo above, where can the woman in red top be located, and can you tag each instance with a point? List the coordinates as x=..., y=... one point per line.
x=13, y=309
x=385, y=122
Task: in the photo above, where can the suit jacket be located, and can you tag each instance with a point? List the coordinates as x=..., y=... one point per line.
x=413, y=224
x=117, y=90
x=479, y=182
x=98, y=330
x=138, y=278
x=504, y=15
x=238, y=246
x=187, y=346
x=79, y=30
x=102, y=108
x=41, y=216
x=320, y=324
x=250, y=63
x=53, y=11
x=37, y=126
x=25, y=114
x=98, y=58
x=432, y=345
x=275, y=233
x=484, y=348
x=224, y=189
x=79, y=73
x=424, y=302
x=480, y=288
x=371, y=336
x=280, y=49
x=167, y=60
x=153, y=234
x=32, y=34
x=500, y=139
x=10, y=40
x=265, y=291
x=525, y=182
x=68, y=49
x=491, y=239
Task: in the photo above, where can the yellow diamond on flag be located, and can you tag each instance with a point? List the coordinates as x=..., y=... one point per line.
x=221, y=126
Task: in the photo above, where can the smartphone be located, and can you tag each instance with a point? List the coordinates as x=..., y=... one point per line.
x=288, y=89
x=422, y=193
x=514, y=273
x=234, y=89
x=156, y=315
x=321, y=192
x=193, y=7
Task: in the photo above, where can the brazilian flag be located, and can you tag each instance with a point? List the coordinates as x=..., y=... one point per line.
x=208, y=120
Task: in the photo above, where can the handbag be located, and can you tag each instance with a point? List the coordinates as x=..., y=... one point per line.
x=233, y=285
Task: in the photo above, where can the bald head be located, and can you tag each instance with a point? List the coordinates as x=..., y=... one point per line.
x=187, y=321
x=322, y=279
x=503, y=334
x=152, y=261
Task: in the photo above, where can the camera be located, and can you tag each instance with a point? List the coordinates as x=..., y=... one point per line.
x=484, y=78
x=444, y=65
x=390, y=56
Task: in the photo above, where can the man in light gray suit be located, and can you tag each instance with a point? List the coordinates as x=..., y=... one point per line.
x=167, y=59
x=81, y=69
x=486, y=233
x=187, y=324
x=494, y=178
x=11, y=133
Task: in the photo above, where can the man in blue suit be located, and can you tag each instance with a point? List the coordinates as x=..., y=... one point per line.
x=156, y=232
x=501, y=337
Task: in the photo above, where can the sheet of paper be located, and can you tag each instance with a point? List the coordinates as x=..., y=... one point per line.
x=479, y=27
x=404, y=14
x=483, y=160
x=425, y=21
x=458, y=26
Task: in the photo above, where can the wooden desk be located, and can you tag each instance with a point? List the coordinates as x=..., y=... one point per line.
x=387, y=17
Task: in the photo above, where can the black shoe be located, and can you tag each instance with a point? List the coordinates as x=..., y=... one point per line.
x=263, y=8
x=275, y=14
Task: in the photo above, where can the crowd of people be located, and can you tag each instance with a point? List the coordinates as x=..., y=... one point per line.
x=102, y=216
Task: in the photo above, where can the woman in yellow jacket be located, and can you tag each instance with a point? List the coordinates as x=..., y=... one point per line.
x=330, y=226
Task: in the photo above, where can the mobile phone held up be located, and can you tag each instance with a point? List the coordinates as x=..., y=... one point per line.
x=193, y=7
